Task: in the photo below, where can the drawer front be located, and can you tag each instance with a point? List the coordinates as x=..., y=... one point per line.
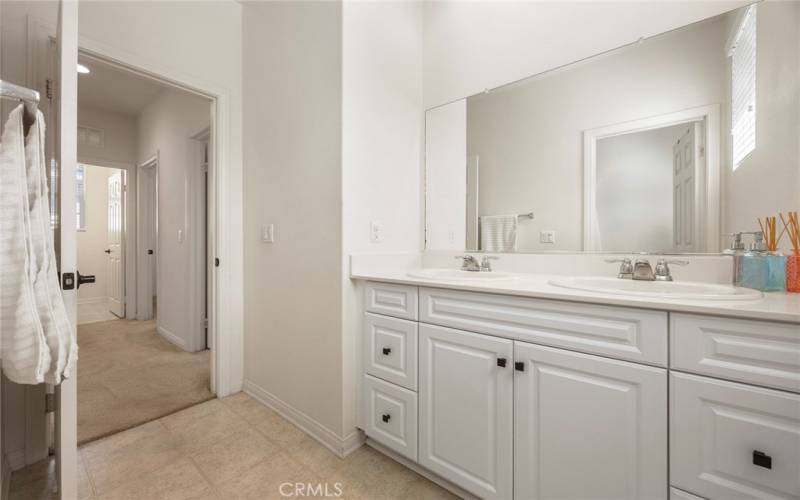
x=756, y=352
x=399, y=301
x=390, y=349
x=635, y=335
x=733, y=441
x=390, y=416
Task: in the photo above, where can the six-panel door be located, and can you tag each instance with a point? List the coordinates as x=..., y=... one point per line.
x=588, y=427
x=465, y=409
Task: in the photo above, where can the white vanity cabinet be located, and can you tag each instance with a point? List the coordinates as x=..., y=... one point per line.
x=587, y=427
x=526, y=399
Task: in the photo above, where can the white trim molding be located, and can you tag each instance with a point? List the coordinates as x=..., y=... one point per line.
x=341, y=446
x=172, y=338
x=709, y=115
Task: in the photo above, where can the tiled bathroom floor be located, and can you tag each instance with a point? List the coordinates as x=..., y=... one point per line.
x=234, y=448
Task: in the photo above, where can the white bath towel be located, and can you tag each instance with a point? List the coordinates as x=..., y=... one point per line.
x=58, y=332
x=499, y=233
x=23, y=348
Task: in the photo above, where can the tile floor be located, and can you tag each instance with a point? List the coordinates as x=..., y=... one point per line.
x=92, y=312
x=234, y=448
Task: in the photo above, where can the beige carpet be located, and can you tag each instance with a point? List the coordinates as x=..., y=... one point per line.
x=128, y=374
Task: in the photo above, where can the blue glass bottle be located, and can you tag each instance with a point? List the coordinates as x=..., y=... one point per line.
x=776, y=272
x=754, y=264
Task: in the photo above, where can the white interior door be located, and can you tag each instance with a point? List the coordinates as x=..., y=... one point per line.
x=65, y=130
x=684, y=160
x=115, y=266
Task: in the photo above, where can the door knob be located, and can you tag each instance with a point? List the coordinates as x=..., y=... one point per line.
x=84, y=278
x=385, y=417
x=386, y=351
x=107, y=250
x=149, y=252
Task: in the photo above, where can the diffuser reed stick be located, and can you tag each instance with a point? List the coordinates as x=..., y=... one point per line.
x=792, y=228
x=770, y=230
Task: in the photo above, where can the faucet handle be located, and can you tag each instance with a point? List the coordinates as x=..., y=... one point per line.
x=662, y=268
x=485, y=264
x=625, y=267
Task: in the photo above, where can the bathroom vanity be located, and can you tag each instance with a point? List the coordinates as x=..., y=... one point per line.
x=523, y=390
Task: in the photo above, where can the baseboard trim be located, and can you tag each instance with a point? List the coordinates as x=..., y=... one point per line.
x=92, y=300
x=172, y=338
x=16, y=459
x=444, y=483
x=338, y=445
x=5, y=472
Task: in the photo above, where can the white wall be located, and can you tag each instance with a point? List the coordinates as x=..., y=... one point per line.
x=446, y=177
x=472, y=46
x=634, y=190
x=119, y=134
x=529, y=136
x=94, y=240
x=382, y=124
x=293, y=179
x=166, y=126
x=768, y=181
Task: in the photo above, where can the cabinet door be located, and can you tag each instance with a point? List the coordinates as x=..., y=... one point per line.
x=465, y=409
x=588, y=427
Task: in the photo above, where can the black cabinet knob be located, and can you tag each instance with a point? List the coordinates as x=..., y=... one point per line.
x=762, y=459
x=519, y=366
x=386, y=351
x=501, y=362
x=386, y=417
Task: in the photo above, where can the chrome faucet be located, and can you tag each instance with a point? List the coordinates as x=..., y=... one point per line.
x=625, y=268
x=642, y=270
x=469, y=263
x=662, y=268
x=486, y=265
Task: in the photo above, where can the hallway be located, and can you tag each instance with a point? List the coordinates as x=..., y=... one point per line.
x=129, y=375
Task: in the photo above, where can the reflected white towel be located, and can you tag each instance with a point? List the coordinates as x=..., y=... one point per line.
x=499, y=233
x=23, y=348
x=49, y=301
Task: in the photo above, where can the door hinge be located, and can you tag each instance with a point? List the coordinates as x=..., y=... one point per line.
x=205, y=322
x=49, y=88
x=49, y=402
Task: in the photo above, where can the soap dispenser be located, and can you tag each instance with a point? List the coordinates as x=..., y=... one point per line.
x=754, y=267
x=736, y=250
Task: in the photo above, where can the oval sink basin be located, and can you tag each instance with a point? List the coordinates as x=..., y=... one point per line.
x=459, y=275
x=658, y=289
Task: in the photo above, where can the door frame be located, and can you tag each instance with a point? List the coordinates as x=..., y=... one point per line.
x=710, y=200
x=145, y=287
x=197, y=212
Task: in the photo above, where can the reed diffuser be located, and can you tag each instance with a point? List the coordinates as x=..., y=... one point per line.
x=791, y=226
x=776, y=262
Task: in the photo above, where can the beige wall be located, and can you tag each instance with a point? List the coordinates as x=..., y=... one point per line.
x=166, y=126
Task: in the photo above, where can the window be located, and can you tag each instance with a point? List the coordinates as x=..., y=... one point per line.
x=743, y=88
x=80, y=197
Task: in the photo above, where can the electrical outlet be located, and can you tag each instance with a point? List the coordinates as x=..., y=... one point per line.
x=375, y=232
x=180, y=235
x=547, y=237
x=267, y=233
x=451, y=237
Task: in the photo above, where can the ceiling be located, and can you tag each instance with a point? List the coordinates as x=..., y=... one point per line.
x=112, y=89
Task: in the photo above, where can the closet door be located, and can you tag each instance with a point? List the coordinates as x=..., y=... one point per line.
x=465, y=409
x=588, y=427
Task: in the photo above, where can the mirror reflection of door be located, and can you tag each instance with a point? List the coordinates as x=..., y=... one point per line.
x=686, y=160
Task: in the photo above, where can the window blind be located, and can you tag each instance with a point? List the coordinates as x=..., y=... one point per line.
x=743, y=88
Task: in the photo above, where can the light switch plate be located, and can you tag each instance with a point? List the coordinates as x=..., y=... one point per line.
x=547, y=236
x=375, y=232
x=268, y=233
x=180, y=235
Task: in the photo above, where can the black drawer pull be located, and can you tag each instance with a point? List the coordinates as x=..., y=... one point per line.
x=386, y=351
x=386, y=417
x=501, y=362
x=762, y=459
x=519, y=366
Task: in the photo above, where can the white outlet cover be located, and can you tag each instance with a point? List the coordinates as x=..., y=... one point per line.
x=375, y=235
x=268, y=233
x=180, y=235
x=547, y=236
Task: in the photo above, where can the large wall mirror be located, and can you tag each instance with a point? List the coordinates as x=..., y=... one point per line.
x=659, y=146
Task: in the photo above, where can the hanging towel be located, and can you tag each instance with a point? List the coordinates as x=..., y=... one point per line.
x=499, y=233
x=23, y=349
x=58, y=332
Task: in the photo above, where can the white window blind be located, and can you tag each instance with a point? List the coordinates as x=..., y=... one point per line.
x=80, y=197
x=743, y=88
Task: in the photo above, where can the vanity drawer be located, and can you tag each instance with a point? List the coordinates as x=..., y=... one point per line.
x=390, y=349
x=390, y=416
x=631, y=334
x=732, y=441
x=676, y=494
x=756, y=352
x=399, y=301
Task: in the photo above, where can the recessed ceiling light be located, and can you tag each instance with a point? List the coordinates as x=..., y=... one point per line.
x=83, y=69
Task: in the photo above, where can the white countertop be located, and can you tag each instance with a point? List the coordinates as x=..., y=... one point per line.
x=772, y=307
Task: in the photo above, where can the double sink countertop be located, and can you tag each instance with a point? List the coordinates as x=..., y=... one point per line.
x=773, y=306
